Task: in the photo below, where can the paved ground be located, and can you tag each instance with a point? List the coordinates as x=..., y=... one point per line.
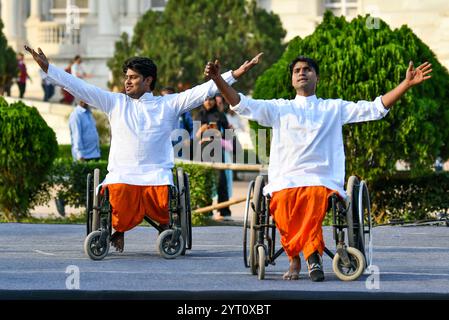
x=39, y=260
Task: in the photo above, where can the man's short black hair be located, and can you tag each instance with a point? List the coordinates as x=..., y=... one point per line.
x=312, y=63
x=143, y=66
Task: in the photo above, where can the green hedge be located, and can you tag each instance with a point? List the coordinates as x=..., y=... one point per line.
x=65, y=151
x=70, y=179
x=409, y=198
x=28, y=147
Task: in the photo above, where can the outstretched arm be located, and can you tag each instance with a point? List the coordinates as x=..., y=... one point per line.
x=212, y=71
x=412, y=78
x=265, y=112
x=195, y=97
x=92, y=95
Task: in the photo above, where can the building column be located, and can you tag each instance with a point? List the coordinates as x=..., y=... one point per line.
x=133, y=9
x=35, y=10
x=92, y=8
x=107, y=20
x=9, y=17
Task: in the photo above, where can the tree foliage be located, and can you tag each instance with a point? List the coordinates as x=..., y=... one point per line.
x=8, y=62
x=188, y=33
x=28, y=147
x=359, y=63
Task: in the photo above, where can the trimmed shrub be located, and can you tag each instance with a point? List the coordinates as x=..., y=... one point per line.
x=409, y=198
x=28, y=147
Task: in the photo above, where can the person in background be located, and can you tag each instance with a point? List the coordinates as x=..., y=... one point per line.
x=22, y=76
x=211, y=118
x=47, y=86
x=83, y=133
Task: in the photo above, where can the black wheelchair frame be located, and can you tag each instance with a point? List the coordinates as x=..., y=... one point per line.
x=171, y=242
x=354, y=214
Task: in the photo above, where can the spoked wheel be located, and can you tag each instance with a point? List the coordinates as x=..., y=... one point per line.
x=89, y=203
x=257, y=206
x=261, y=257
x=95, y=212
x=167, y=248
x=352, y=213
x=365, y=224
x=189, y=213
x=94, y=247
x=183, y=216
x=247, y=226
x=354, y=269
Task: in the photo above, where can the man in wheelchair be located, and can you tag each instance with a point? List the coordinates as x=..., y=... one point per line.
x=307, y=161
x=141, y=154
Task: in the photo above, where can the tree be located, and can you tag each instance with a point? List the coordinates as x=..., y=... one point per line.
x=359, y=63
x=187, y=33
x=8, y=62
x=28, y=147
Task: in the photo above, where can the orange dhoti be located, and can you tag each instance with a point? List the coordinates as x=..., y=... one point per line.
x=130, y=204
x=299, y=214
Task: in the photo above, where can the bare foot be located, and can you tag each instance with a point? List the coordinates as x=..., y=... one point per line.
x=293, y=271
x=118, y=241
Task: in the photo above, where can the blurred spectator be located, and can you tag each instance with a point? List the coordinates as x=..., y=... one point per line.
x=22, y=76
x=47, y=86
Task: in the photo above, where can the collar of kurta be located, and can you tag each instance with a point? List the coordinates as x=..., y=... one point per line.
x=147, y=96
x=303, y=99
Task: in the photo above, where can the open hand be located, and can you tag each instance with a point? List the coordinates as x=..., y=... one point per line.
x=418, y=75
x=212, y=70
x=246, y=66
x=39, y=57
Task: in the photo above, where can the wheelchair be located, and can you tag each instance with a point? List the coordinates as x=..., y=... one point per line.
x=353, y=215
x=170, y=243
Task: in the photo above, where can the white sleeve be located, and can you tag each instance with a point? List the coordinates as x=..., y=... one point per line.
x=194, y=97
x=361, y=111
x=265, y=112
x=94, y=96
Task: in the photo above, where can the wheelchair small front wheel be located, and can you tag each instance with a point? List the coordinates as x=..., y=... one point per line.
x=354, y=270
x=167, y=248
x=93, y=246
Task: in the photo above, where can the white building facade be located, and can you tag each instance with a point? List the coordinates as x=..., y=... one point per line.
x=65, y=28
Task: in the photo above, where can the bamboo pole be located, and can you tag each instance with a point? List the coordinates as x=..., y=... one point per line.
x=220, y=205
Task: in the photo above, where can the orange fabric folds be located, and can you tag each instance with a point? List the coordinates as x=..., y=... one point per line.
x=299, y=213
x=131, y=203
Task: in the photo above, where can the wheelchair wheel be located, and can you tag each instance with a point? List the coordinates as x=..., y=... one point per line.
x=189, y=213
x=352, y=271
x=257, y=205
x=94, y=247
x=365, y=223
x=89, y=204
x=167, y=249
x=261, y=257
x=95, y=224
x=183, y=215
x=352, y=214
x=246, y=224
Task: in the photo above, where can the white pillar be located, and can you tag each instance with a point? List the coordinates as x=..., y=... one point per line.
x=92, y=8
x=9, y=16
x=133, y=8
x=35, y=10
x=107, y=21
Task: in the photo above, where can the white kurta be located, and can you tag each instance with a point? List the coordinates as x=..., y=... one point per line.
x=307, y=140
x=141, y=150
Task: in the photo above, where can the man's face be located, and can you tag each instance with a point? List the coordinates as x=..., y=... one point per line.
x=304, y=78
x=135, y=84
